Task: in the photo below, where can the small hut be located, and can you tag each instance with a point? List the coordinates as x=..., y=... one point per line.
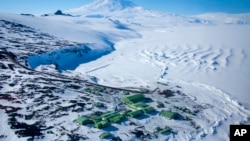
x=102, y=124
x=105, y=135
x=133, y=98
x=165, y=130
x=169, y=114
x=135, y=113
x=148, y=109
x=138, y=106
x=83, y=121
x=117, y=119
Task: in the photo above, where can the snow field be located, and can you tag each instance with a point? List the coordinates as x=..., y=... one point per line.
x=186, y=53
x=207, y=57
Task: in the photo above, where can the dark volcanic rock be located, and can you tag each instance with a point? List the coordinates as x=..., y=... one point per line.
x=59, y=12
x=23, y=129
x=167, y=93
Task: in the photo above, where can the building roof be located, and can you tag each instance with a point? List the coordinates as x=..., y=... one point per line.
x=133, y=98
x=117, y=119
x=83, y=120
x=109, y=115
x=102, y=124
x=169, y=114
x=165, y=130
x=135, y=113
x=148, y=109
x=105, y=135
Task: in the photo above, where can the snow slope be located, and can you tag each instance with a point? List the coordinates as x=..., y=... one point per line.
x=103, y=6
x=213, y=55
x=87, y=32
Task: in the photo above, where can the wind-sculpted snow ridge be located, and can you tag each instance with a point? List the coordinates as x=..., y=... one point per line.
x=196, y=58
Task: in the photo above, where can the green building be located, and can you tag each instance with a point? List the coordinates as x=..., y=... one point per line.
x=105, y=135
x=83, y=121
x=126, y=112
x=109, y=115
x=148, y=109
x=138, y=106
x=134, y=114
x=133, y=98
x=117, y=119
x=95, y=117
x=169, y=114
x=165, y=130
x=102, y=124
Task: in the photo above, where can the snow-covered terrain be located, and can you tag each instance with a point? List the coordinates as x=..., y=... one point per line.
x=55, y=68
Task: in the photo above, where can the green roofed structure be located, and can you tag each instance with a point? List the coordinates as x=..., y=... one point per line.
x=109, y=115
x=133, y=98
x=102, y=124
x=95, y=117
x=138, y=106
x=148, y=109
x=135, y=113
x=105, y=135
x=83, y=121
x=117, y=119
x=165, y=130
x=169, y=114
x=113, y=117
x=125, y=113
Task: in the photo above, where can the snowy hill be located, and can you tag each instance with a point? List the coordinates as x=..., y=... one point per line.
x=124, y=9
x=104, y=6
x=56, y=68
